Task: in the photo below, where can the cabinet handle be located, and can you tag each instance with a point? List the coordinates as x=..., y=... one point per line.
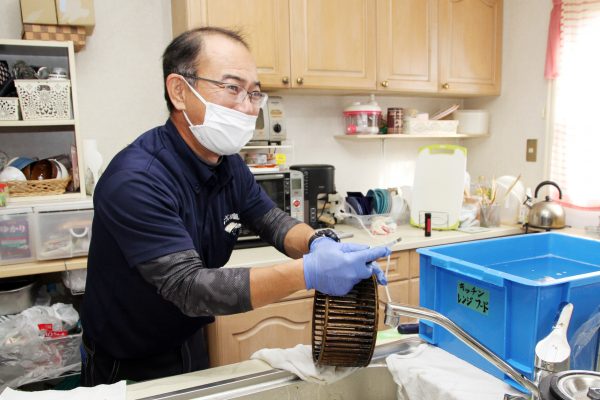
x=385, y=83
x=300, y=80
x=446, y=86
x=285, y=80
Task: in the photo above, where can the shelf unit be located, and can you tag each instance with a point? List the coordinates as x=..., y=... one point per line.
x=358, y=138
x=42, y=267
x=44, y=138
x=58, y=122
x=273, y=147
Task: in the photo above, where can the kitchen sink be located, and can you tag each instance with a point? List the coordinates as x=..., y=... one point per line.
x=373, y=381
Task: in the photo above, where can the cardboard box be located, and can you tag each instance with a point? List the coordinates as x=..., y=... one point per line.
x=56, y=32
x=38, y=12
x=76, y=13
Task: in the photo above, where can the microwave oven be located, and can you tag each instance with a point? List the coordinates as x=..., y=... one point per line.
x=286, y=189
x=270, y=123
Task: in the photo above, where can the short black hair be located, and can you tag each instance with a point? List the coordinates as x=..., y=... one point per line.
x=181, y=55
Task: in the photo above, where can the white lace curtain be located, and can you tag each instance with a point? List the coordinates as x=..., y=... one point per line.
x=573, y=60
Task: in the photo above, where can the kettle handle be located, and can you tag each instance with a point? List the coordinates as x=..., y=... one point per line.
x=537, y=189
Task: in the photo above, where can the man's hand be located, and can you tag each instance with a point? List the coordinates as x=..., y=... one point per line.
x=334, y=268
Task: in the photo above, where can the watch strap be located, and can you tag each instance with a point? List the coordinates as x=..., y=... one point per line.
x=323, y=233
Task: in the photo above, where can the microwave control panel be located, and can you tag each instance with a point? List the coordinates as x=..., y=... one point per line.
x=296, y=195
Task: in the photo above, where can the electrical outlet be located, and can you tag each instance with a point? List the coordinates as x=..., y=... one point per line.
x=531, y=150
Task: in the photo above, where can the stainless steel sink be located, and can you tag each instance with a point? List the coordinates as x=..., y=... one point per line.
x=373, y=382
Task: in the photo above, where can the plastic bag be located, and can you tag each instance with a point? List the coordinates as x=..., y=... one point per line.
x=35, y=345
x=585, y=344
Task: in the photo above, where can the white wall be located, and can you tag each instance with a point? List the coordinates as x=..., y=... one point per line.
x=313, y=121
x=519, y=113
x=119, y=72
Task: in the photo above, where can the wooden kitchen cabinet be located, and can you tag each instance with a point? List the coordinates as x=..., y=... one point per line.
x=265, y=25
x=298, y=44
x=234, y=338
x=333, y=43
x=470, y=46
x=450, y=47
x=407, y=45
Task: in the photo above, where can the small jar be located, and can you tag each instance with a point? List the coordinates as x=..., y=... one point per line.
x=362, y=119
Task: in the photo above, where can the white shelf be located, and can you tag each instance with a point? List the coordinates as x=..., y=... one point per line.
x=42, y=138
x=43, y=122
x=357, y=138
x=285, y=146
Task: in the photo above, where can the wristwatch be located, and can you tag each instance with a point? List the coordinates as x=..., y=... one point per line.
x=330, y=233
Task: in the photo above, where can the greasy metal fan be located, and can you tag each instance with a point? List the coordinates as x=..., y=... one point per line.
x=345, y=327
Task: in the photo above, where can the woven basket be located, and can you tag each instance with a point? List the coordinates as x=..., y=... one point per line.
x=43, y=187
x=44, y=98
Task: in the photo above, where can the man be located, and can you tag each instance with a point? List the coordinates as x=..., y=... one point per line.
x=167, y=213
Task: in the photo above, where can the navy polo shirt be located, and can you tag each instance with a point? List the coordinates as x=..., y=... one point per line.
x=155, y=198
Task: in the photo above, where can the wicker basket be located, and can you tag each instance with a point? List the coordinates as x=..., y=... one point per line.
x=43, y=187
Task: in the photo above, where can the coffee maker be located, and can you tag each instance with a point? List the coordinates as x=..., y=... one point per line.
x=319, y=183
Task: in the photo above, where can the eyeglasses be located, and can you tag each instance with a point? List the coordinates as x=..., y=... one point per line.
x=237, y=93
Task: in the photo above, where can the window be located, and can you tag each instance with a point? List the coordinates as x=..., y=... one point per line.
x=575, y=131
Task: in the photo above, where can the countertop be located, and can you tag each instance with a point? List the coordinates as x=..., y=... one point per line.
x=412, y=238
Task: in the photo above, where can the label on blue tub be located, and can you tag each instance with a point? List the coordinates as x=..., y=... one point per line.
x=475, y=298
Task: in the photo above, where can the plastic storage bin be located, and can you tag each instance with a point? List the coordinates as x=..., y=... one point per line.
x=507, y=292
x=63, y=231
x=16, y=236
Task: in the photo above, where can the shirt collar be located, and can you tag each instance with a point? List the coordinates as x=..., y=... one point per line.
x=197, y=172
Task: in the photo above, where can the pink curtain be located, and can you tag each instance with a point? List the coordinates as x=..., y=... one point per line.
x=553, y=48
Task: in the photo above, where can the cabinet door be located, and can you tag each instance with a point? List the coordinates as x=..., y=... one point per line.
x=333, y=43
x=235, y=338
x=264, y=24
x=407, y=45
x=470, y=39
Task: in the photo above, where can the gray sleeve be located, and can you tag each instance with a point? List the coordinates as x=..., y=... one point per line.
x=273, y=226
x=197, y=291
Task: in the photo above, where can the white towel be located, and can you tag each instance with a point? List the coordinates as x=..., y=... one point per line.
x=430, y=373
x=298, y=360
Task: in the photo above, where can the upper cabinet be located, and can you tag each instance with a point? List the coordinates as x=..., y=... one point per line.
x=300, y=43
x=333, y=43
x=470, y=40
x=265, y=25
x=406, y=46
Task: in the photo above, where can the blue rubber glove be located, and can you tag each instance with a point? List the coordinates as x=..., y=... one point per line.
x=334, y=268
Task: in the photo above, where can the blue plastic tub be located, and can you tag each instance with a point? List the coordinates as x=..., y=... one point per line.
x=507, y=292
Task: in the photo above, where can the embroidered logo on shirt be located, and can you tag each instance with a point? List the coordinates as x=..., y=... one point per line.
x=232, y=224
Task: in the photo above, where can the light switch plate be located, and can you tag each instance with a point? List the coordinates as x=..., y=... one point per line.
x=531, y=150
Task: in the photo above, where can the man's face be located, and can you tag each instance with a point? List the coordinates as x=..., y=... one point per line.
x=223, y=60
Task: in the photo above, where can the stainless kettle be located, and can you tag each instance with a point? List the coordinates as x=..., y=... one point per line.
x=546, y=214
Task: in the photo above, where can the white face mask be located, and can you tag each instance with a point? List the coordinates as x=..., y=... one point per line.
x=225, y=131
